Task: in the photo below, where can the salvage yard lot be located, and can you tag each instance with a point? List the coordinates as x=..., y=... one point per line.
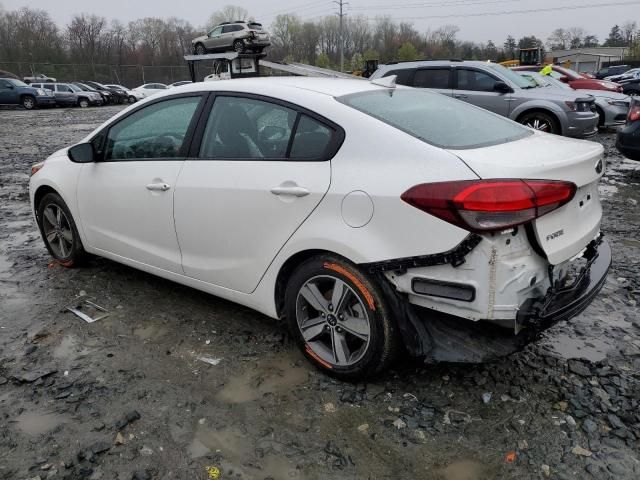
x=71, y=392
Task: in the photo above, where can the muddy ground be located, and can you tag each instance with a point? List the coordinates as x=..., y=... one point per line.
x=129, y=397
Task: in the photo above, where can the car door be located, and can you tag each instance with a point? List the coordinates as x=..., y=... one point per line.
x=214, y=38
x=8, y=93
x=65, y=94
x=126, y=198
x=261, y=169
x=438, y=79
x=477, y=87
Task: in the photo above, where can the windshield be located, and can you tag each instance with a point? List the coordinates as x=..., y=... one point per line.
x=512, y=76
x=17, y=83
x=436, y=119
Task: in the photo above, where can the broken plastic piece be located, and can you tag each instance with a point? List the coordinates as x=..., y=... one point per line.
x=510, y=457
x=210, y=360
x=88, y=311
x=213, y=472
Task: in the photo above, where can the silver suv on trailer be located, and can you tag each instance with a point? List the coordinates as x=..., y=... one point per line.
x=496, y=88
x=236, y=36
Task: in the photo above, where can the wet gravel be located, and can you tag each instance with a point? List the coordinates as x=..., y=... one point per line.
x=131, y=396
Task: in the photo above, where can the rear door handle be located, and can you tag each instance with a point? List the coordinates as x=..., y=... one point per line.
x=294, y=191
x=162, y=187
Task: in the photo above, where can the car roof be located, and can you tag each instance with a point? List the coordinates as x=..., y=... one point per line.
x=431, y=63
x=334, y=87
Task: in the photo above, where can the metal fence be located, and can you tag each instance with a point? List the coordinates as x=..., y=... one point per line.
x=128, y=75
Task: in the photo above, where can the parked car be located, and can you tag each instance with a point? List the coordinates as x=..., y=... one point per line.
x=613, y=70
x=16, y=92
x=179, y=84
x=631, y=87
x=134, y=96
x=628, y=139
x=150, y=88
x=106, y=94
x=576, y=80
x=290, y=205
x=69, y=95
x=632, y=74
x=496, y=88
x=234, y=36
x=39, y=78
x=5, y=74
x=117, y=96
x=612, y=107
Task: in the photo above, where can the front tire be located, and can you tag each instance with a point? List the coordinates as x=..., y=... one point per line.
x=59, y=231
x=200, y=50
x=540, y=121
x=28, y=102
x=132, y=99
x=339, y=319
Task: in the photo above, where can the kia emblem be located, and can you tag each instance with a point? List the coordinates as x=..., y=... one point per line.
x=599, y=166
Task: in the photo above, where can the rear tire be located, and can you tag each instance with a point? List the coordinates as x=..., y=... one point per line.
x=28, y=102
x=238, y=46
x=83, y=103
x=59, y=231
x=132, y=99
x=339, y=319
x=540, y=121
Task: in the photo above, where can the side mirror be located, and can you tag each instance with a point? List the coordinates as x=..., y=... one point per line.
x=502, y=87
x=82, y=153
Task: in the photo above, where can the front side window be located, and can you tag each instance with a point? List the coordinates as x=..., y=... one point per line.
x=431, y=78
x=475, y=80
x=215, y=32
x=245, y=128
x=156, y=131
x=403, y=76
x=64, y=88
x=436, y=119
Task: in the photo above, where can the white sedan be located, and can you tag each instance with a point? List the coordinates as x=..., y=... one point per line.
x=149, y=89
x=366, y=215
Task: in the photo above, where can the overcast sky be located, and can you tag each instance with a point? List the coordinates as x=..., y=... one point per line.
x=422, y=13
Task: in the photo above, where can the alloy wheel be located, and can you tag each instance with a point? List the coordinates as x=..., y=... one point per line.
x=200, y=50
x=238, y=46
x=57, y=231
x=28, y=103
x=539, y=124
x=333, y=320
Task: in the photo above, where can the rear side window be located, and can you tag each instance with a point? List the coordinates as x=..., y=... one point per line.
x=431, y=78
x=311, y=141
x=156, y=131
x=436, y=119
x=404, y=76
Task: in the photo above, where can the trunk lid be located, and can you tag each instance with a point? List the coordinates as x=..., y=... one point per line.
x=564, y=232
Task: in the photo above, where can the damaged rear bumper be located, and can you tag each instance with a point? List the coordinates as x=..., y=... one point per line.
x=567, y=302
x=441, y=337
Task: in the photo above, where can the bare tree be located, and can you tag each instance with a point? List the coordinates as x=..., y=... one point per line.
x=229, y=13
x=84, y=36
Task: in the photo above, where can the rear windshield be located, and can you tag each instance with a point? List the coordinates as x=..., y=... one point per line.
x=435, y=118
x=255, y=26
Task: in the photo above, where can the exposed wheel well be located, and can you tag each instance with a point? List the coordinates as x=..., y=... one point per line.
x=553, y=116
x=40, y=193
x=25, y=95
x=601, y=115
x=287, y=269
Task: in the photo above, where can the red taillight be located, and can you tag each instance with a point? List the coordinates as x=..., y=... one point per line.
x=489, y=205
x=634, y=113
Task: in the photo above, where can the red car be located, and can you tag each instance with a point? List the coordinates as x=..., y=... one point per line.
x=576, y=80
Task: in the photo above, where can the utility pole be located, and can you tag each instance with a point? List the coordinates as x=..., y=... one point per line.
x=341, y=14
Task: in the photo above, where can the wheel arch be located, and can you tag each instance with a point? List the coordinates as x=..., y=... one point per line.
x=41, y=191
x=287, y=269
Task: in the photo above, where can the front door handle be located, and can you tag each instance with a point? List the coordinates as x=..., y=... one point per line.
x=294, y=191
x=162, y=187
x=459, y=95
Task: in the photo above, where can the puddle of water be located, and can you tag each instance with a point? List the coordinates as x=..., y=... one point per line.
x=37, y=423
x=463, y=470
x=236, y=451
x=593, y=349
x=273, y=376
x=150, y=332
x=631, y=243
x=69, y=348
